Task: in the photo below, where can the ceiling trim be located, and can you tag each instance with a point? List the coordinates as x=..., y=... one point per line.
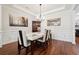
x=22, y=9
x=75, y=7
x=55, y=10
x=44, y=13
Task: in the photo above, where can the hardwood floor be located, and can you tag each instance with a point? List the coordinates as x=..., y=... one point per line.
x=55, y=47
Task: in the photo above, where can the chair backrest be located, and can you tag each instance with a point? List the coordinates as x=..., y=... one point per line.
x=22, y=38
x=45, y=37
x=49, y=34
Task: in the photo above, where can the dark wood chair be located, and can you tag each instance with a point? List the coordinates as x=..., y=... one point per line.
x=44, y=40
x=23, y=42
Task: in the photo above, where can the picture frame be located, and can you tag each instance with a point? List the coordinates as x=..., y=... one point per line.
x=54, y=22
x=20, y=21
x=36, y=26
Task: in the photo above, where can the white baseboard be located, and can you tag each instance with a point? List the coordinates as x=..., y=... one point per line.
x=0, y=46
x=65, y=41
x=10, y=41
x=74, y=42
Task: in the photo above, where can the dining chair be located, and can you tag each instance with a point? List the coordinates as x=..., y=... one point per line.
x=49, y=34
x=23, y=42
x=44, y=40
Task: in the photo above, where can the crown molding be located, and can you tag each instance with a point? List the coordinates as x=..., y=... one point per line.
x=75, y=7
x=23, y=9
x=55, y=10
x=44, y=13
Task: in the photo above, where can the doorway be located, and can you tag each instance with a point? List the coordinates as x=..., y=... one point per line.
x=77, y=31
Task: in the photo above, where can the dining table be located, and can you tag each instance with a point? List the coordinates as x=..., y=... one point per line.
x=33, y=37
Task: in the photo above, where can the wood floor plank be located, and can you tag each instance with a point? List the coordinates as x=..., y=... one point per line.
x=55, y=47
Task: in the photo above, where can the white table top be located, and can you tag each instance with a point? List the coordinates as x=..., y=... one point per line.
x=34, y=36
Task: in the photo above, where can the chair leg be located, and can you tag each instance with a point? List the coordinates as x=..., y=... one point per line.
x=46, y=44
x=26, y=50
x=19, y=48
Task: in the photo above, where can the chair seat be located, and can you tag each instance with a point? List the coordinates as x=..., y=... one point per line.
x=28, y=43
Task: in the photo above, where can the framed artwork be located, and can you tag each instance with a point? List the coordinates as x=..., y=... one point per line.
x=36, y=26
x=18, y=21
x=54, y=22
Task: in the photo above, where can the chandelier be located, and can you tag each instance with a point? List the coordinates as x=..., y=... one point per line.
x=40, y=17
x=40, y=12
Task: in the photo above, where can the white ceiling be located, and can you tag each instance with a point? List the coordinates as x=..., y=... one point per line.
x=35, y=8
x=46, y=8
